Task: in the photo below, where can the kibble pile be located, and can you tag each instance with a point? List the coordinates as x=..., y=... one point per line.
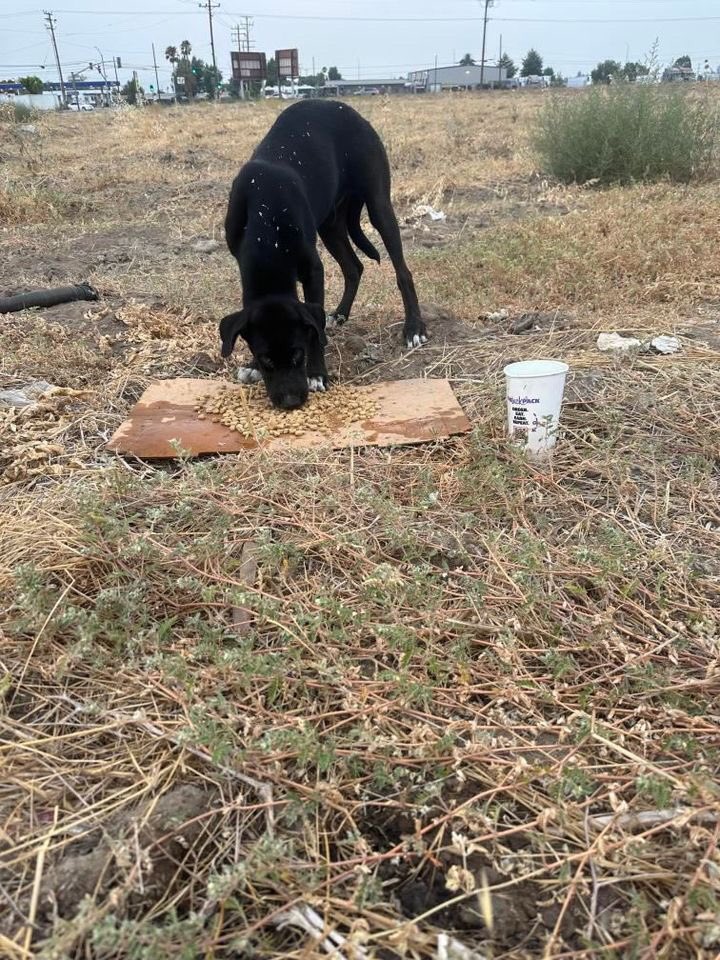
x=248, y=411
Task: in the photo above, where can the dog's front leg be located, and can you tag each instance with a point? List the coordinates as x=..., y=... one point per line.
x=312, y=277
x=316, y=370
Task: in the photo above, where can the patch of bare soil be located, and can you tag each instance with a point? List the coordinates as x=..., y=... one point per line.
x=134, y=857
x=72, y=258
x=470, y=210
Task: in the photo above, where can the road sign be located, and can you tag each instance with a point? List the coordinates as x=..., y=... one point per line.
x=180, y=81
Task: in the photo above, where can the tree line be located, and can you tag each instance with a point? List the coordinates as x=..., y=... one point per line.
x=605, y=72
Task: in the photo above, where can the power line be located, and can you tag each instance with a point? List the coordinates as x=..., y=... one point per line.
x=371, y=19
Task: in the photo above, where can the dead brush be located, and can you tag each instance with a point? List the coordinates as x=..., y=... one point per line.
x=378, y=703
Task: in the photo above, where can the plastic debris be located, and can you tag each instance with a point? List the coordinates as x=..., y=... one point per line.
x=665, y=344
x=25, y=396
x=425, y=210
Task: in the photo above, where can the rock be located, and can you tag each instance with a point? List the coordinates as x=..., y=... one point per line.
x=355, y=343
x=666, y=345
x=608, y=342
x=541, y=320
x=371, y=354
x=496, y=316
x=524, y=323
x=436, y=313
x=204, y=362
x=206, y=246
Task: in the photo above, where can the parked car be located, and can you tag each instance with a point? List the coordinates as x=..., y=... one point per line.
x=80, y=107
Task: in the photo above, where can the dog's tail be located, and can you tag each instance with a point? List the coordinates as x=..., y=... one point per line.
x=355, y=230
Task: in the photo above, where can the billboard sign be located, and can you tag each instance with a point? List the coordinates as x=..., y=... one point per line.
x=248, y=65
x=288, y=63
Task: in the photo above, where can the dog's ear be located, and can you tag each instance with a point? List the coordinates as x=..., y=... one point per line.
x=231, y=327
x=314, y=317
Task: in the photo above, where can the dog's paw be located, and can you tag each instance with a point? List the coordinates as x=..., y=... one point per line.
x=317, y=384
x=248, y=375
x=334, y=320
x=417, y=340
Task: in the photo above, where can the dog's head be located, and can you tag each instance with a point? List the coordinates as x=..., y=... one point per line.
x=280, y=332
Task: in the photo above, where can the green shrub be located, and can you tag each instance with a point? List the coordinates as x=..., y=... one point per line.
x=23, y=113
x=627, y=133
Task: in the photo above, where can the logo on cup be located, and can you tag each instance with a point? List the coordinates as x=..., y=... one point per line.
x=524, y=400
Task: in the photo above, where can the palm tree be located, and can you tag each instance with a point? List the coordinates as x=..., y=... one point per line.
x=171, y=54
x=185, y=49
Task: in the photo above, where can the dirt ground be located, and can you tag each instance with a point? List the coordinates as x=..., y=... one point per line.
x=464, y=706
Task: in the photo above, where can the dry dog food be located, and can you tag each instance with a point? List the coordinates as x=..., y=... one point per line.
x=248, y=411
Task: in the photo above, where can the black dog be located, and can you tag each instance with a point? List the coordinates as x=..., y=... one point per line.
x=319, y=164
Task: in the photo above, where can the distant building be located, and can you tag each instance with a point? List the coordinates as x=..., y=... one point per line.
x=34, y=101
x=95, y=92
x=345, y=88
x=678, y=75
x=459, y=78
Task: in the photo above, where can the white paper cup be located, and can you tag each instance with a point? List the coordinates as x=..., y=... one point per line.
x=534, y=396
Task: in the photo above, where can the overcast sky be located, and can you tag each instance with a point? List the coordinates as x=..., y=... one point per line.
x=366, y=38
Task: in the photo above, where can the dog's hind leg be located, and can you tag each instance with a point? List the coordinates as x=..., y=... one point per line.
x=335, y=237
x=382, y=217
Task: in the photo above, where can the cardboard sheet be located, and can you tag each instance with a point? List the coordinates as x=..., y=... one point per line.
x=164, y=418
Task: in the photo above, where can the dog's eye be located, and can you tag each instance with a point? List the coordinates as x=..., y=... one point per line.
x=265, y=361
x=297, y=358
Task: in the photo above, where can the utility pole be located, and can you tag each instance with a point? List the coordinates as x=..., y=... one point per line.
x=237, y=37
x=249, y=23
x=51, y=27
x=157, y=78
x=242, y=35
x=210, y=6
x=73, y=78
x=488, y=3
x=103, y=73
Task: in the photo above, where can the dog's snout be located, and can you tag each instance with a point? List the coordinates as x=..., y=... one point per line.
x=291, y=401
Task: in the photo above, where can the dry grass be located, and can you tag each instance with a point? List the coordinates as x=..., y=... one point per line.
x=448, y=694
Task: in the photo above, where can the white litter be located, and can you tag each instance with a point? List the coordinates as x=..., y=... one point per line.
x=608, y=342
x=448, y=948
x=666, y=345
x=305, y=918
x=425, y=210
x=497, y=315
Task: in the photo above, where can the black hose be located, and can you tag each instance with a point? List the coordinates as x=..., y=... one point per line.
x=48, y=298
